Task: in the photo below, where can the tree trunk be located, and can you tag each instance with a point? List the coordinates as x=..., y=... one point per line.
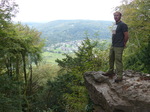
x=24, y=67
x=17, y=67
x=30, y=86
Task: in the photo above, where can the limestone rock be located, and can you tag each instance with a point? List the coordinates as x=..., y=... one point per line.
x=130, y=95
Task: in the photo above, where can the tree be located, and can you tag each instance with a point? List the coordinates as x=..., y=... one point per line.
x=8, y=9
x=85, y=59
x=73, y=91
x=19, y=49
x=137, y=15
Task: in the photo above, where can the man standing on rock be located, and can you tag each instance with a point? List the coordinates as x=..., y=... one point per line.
x=119, y=40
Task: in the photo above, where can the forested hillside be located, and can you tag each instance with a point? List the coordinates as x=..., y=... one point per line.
x=29, y=85
x=71, y=30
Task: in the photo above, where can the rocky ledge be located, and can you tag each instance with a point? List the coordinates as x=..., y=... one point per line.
x=130, y=95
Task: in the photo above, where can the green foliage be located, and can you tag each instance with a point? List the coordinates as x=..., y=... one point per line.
x=10, y=96
x=43, y=72
x=21, y=43
x=20, y=46
x=77, y=100
x=57, y=88
x=85, y=59
x=139, y=60
x=21, y=49
x=67, y=91
x=136, y=15
x=8, y=9
x=11, y=99
x=22, y=85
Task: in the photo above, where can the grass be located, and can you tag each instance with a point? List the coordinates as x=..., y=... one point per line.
x=49, y=57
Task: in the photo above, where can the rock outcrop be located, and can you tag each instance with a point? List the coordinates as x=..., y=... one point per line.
x=130, y=95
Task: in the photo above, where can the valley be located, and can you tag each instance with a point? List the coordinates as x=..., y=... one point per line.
x=64, y=36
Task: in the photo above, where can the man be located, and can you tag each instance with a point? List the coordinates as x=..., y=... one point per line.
x=119, y=40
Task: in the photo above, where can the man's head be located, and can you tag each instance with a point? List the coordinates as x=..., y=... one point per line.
x=117, y=16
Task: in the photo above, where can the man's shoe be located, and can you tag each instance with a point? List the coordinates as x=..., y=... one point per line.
x=118, y=79
x=108, y=74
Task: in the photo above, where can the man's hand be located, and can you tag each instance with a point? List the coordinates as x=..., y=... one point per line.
x=126, y=37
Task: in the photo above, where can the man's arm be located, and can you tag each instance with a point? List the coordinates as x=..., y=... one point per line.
x=126, y=37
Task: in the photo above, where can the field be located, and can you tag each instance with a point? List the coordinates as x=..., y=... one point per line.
x=49, y=57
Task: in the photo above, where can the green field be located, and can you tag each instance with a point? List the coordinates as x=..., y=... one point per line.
x=49, y=57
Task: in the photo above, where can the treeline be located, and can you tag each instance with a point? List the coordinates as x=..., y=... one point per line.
x=47, y=88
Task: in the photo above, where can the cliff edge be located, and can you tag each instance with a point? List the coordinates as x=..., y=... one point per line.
x=130, y=95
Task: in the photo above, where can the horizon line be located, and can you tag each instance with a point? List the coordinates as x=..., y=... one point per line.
x=59, y=20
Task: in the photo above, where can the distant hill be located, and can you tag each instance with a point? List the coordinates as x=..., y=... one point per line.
x=70, y=30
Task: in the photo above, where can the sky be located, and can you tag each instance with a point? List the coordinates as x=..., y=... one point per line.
x=50, y=10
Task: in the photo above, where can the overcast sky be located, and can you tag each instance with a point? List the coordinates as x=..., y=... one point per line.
x=49, y=10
